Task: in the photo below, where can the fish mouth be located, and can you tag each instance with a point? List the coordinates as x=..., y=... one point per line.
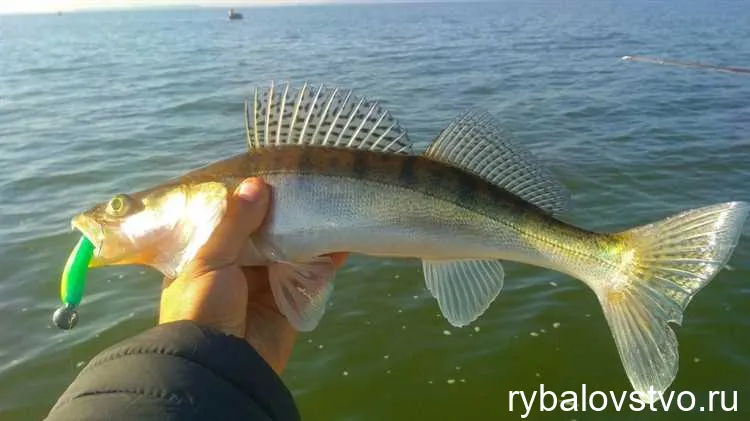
x=93, y=231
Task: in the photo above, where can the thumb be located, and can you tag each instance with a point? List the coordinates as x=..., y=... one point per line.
x=245, y=212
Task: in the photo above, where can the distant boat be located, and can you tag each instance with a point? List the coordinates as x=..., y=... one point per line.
x=234, y=15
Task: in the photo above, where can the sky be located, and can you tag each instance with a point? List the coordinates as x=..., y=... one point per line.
x=37, y=6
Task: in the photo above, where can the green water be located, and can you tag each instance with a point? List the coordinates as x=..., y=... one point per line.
x=95, y=104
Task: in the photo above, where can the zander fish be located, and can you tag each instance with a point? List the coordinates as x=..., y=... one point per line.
x=345, y=178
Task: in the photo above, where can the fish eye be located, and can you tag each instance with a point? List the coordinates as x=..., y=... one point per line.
x=119, y=205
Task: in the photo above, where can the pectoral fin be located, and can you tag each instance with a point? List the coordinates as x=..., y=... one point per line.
x=464, y=289
x=302, y=290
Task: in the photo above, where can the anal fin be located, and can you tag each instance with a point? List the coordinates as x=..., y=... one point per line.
x=464, y=289
x=302, y=290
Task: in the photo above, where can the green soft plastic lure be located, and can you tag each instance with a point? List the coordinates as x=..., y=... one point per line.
x=72, y=284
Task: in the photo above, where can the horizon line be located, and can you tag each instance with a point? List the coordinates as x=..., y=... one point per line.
x=258, y=4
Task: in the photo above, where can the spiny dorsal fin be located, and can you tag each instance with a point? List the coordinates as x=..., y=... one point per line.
x=321, y=116
x=474, y=143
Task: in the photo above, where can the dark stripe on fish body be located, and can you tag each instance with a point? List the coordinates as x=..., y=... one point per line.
x=306, y=161
x=467, y=189
x=407, y=176
x=360, y=166
x=333, y=161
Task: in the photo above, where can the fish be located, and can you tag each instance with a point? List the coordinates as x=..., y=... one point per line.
x=346, y=177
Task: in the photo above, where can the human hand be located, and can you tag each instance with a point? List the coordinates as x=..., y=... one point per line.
x=215, y=291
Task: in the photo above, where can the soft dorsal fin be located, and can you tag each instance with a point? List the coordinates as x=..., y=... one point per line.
x=475, y=143
x=321, y=116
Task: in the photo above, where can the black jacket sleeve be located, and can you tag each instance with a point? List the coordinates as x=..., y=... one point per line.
x=177, y=371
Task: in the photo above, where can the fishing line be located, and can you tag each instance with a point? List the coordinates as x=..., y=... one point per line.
x=687, y=64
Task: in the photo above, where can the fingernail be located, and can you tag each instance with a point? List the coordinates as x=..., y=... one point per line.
x=249, y=190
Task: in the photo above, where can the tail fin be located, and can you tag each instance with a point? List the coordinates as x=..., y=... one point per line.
x=664, y=265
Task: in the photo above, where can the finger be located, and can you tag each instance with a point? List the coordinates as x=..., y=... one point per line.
x=246, y=210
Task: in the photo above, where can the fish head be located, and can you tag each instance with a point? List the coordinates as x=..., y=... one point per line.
x=161, y=227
